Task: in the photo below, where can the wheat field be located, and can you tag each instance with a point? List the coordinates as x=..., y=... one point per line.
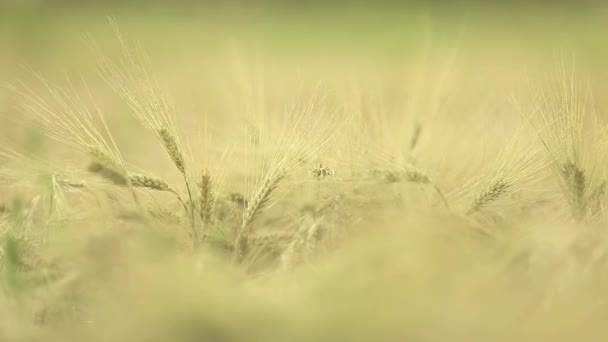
x=277, y=171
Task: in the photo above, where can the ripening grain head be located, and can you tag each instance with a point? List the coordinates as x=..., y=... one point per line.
x=563, y=118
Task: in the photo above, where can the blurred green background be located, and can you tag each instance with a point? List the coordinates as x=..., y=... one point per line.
x=223, y=60
x=197, y=47
x=47, y=34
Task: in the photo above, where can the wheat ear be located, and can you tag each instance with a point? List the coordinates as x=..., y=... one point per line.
x=490, y=194
x=107, y=167
x=415, y=176
x=257, y=204
x=152, y=183
x=206, y=202
x=171, y=146
x=575, y=180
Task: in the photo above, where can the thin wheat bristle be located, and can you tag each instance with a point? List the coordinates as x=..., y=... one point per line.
x=206, y=202
x=490, y=194
x=172, y=149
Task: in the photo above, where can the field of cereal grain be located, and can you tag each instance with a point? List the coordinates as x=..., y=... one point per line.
x=303, y=171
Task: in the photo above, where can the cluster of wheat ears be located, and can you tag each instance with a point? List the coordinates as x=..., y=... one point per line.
x=549, y=170
x=64, y=117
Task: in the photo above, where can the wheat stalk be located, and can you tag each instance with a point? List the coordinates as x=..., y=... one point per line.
x=131, y=80
x=170, y=143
